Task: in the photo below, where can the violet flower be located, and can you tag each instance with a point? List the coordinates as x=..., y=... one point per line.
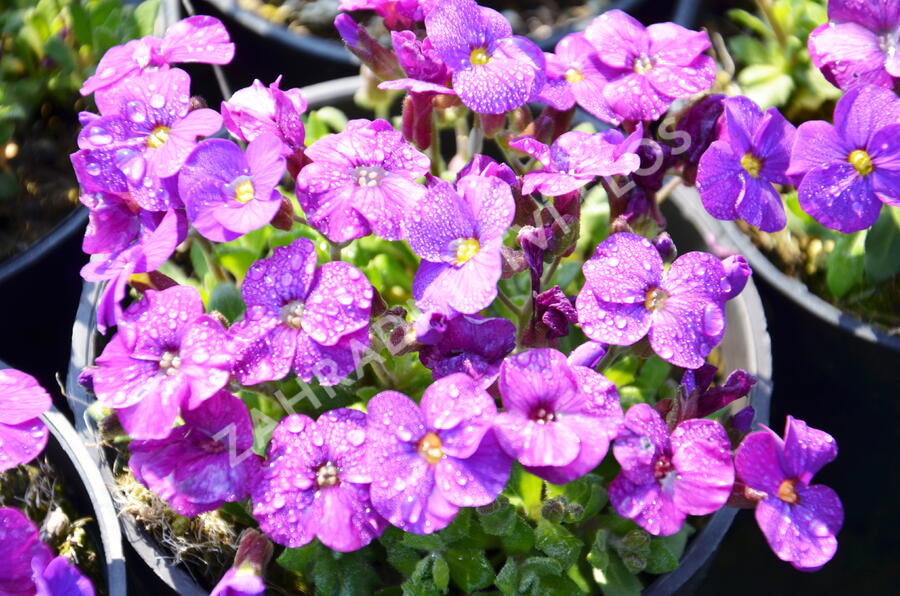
x=397, y=14
x=361, y=181
x=558, y=419
x=314, y=320
x=316, y=483
x=576, y=158
x=550, y=319
x=23, y=434
x=493, y=70
x=800, y=521
x=845, y=172
x=666, y=478
x=166, y=354
x=228, y=192
x=469, y=344
x=702, y=398
x=257, y=109
x=428, y=462
x=458, y=234
x=627, y=295
x=58, y=577
x=203, y=463
x=736, y=174
x=648, y=68
x=860, y=43
x=573, y=77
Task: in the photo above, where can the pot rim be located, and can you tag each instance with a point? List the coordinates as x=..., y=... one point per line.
x=68, y=226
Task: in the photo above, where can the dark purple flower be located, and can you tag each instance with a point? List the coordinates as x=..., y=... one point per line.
x=701, y=124
x=493, y=71
x=23, y=434
x=666, y=478
x=735, y=176
x=228, y=192
x=558, y=419
x=588, y=354
x=245, y=578
x=205, y=462
x=316, y=483
x=381, y=61
x=573, y=77
x=166, y=355
x=257, y=109
x=362, y=181
x=421, y=64
x=458, y=234
x=737, y=271
x=469, y=344
x=576, y=158
x=627, y=295
x=702, y=398
x=845, y=172
x=428, y=462
x=552, y=314
x=314, y=320
x=648, y=68
x=194, y=39
x=860, y=43
x=59, y=577
x=800, y=521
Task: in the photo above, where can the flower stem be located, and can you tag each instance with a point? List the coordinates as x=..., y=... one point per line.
x=765, y=6
x=385, y=377
x=551, y=271
x=336, y=248
x=663, y=193
x=509, y=303
x=611, y=357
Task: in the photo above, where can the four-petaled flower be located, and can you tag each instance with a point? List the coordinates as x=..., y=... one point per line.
x=574, y=77
x=23, y=434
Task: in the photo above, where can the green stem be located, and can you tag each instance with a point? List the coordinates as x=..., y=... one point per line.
x=336, y=248
x=611, y=357
x=385, y=377
x=551, y=271
x=765, y=6
x=209, y=254
x=508, y=303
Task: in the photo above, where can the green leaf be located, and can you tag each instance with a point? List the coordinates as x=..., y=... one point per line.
x=542, y=566
x=226, y=299
x=459, y=528
x=557, y=542
x=520, y=539
x=325, y=572
x=499, y=522
x=750, y=21
x=199, y=261
x=297, y=559
x=587, y=491
x=882, y=258
x=654, y=373
x=470, y=569
x=440, y=572
x=766, y=84
x=81, y=24
x=145, y=17
x=616, y=580
x=846, y=264
x=598, y=556
x=62, y=54
x=423, y=541
x=660, y=558
x=237, y=261
x=526, y=490
x=508, y=579
x=676, y=542
x=748, y=50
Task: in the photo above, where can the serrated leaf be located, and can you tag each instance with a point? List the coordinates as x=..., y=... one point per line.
x=882, y=257
x=470, y=569
x=557, y=542
x=587, y=491
x=459, y=528
x=422, y=541
x=440, y=572
x=145, y=17
x=846, y=264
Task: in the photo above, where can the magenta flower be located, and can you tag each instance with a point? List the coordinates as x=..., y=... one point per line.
x=424, y=68
x=361, y=181
x=458, y=234
x=627, y=295
x=257, y=109
x=58, y=577
x=800, y=521
x=558, y=419
x=194, y=39
x=666, y=478
x=228, y=192
x=239, y=581
x=166, y=355
x=23, y=434
x=493, y=70
x=574, y=77
x=397, y=14
x=316, y=483
x=860, y=43
x=845, y=172
x=205, y=462
x=429, y=461
x=576, y=158
x=314, y=320
x=648, y=68
x=736, y=174
x=144, y=136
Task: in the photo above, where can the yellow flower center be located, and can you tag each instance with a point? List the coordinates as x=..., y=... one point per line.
x=327, y=475
x=655, y=299
x=430, y=448
x=479, y=57
x=465, y=250
x=573, y=75
x=861, y=162
x=643, y=64
x=752, y=164
x=158, y=137
x=787, y=492
x=243, y=192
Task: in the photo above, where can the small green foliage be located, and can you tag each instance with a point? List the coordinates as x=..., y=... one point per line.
x=846, y=264
x=226, y=299
x=499, y=519
x=557, y=542
x=882, y=246
x=469, y=569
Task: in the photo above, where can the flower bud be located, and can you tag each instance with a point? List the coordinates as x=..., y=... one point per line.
x=554, y=509
x=371, y=53
x=737, y=272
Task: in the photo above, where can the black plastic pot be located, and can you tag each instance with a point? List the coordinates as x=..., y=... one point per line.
x=85, y=487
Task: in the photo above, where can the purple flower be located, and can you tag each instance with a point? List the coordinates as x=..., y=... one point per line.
x=702, y=123
x=573, y=77
x=550, y=319
x=576, y=158
x=166, y=354
x=203, y=463
x=228, y=192
x=702, y=398
x=23, y=434
x=245, y=578
x=845, y=172
x=465, y=343
x=312, y=319
x=361, y=181
x=737, y=272
x=59, y=577
x=429, y=461
x=381, y=61
x=239, y=582
x=316, y=483
x=860, y=43
x=257, y=109
x=144, y=136
x=648, y=68
x=194, y=39
x=424, y=68
x=397, y=14
x=627, y=295
x=800, y=520
x=558, y=419
x=736, y=174
x=493, y=71
x=666, y=478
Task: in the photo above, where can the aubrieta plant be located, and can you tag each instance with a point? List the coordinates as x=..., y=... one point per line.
x=413, y=363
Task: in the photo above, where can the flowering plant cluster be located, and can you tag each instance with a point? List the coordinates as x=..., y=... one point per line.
x=482, y=352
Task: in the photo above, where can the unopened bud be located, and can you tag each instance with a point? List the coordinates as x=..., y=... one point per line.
x=554, y=509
